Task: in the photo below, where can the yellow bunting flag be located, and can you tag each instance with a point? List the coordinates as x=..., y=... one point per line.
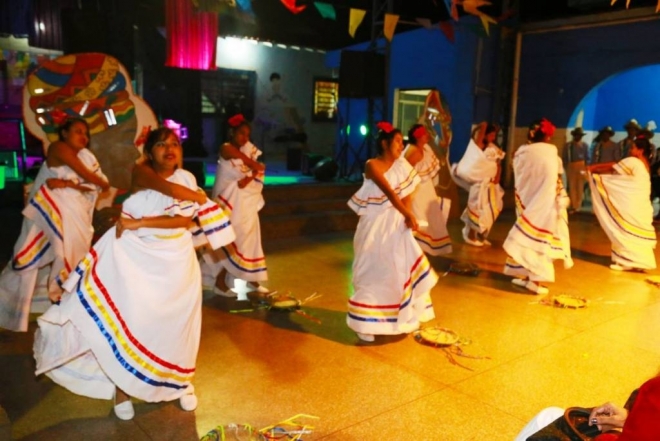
x=485, y=21
x=390, y=25
x=355, y=19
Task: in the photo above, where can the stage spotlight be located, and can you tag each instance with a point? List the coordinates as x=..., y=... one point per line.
x=363, y=130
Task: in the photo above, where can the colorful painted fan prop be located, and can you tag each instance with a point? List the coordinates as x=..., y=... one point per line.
x=97, y=88
x=447, y=341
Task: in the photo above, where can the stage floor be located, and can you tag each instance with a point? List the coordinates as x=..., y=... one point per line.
x=263, y=367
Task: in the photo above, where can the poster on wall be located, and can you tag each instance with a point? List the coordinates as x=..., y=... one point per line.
x=326, y=93
x=17, y=66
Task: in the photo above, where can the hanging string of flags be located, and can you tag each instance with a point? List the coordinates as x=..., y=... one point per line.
x=657, y=8
x=356, y=16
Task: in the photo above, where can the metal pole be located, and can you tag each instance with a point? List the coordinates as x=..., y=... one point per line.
x=514, y=107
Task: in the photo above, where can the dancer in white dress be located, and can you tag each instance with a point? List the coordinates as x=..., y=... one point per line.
x=479, y=172
x=430, y=210
x=129, y=323
x=534, y=241
x=238, y=189
x=57, y=227
x=392, y=277
x=621, y=202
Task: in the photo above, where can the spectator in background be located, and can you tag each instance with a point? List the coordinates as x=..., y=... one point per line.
x=633, y=128
x=605, y=150
x=575, y=160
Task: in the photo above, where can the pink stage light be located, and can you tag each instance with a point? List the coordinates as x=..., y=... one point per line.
x=191, y=36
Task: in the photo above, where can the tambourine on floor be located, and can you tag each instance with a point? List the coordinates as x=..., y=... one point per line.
x=464, y=269
x=567, y=301
x=436, y=336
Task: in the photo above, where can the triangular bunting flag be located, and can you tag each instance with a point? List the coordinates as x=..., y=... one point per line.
x=390, y=25
x=454, y=9
x=485, y=21
x=426, y=23
x=355, y=19
x=448, y=4
x=447, y=28
x=326, y=10
x=291, y=6
x=657, y=8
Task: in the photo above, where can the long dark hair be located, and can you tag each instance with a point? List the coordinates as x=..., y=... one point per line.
x=642, y=142
x=386, y=137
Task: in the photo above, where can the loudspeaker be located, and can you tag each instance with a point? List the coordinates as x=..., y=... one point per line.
x=361, y=74
x=325, y=170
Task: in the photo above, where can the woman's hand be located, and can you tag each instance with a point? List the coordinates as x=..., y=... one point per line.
x=259, y=167
x=607, y=417
x=244, y=182
x=411, y=222
x=126, y=223
x=55, y=183
x=201, y=197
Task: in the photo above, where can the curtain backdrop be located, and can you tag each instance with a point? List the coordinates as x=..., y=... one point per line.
x=191, y=36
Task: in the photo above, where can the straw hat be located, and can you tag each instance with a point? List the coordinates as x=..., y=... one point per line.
x=578, y=132
x=632, y=124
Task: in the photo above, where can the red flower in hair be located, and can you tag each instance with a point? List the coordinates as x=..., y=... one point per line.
x=236, y=120
x=547, y=128
x=419, y=132
x=385, y=126
x=58, y=116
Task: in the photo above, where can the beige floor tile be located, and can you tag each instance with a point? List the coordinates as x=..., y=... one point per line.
x=581, y=370
x=447, y=415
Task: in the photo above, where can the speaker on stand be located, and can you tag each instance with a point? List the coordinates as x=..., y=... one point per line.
x=361, y=76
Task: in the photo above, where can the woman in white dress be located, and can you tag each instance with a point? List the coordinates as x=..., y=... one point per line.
x=129, y=324
x=430, y=210
x=479, y=172
x=238, y=190
x=392, y=277
x=57, y=227
x=621, y=202
x=535, y=240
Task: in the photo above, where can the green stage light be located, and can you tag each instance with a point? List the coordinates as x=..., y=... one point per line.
x=363, y=130
x=348, y=129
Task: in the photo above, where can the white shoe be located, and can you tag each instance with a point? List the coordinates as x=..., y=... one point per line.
x=520, y=282
x=229, y=293
x=366, y=337
x=188, y=401
x=123, y=410
x=466, y=238
x=258, y=288
x=536, y=288
x=617, y=267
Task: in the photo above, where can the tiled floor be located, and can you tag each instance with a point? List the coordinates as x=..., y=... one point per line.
x=263, y=367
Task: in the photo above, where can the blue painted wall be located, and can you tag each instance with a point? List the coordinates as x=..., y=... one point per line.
x=423, y=59
x=631, y=94
x=559, y=68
